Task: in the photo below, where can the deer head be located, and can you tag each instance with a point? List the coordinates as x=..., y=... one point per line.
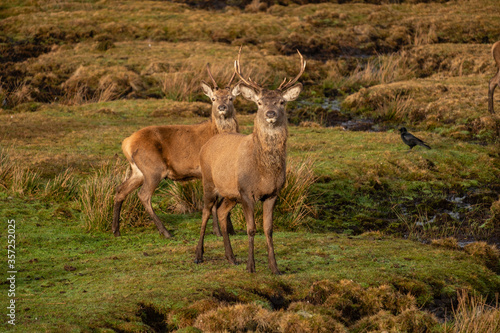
x=222, y=99
x=270, y=103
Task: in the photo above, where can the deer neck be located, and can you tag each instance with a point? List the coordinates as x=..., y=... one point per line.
x=224, y=125
x=270, y=147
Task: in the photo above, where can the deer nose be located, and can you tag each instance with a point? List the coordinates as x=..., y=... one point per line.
x=222, y=108
x=271, y=114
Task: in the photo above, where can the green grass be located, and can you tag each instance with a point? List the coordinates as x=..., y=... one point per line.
x=65, y=271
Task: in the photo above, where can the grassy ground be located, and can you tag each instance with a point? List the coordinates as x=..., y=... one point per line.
x=380, y=244
x=70, y=280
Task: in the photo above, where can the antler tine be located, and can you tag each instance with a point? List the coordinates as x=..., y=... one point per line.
x=284, y=86
x=210, y=74
x=230, y=81
x=237, y=70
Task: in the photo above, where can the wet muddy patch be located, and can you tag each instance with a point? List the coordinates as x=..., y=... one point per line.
x=328, y=113
x=464, y=216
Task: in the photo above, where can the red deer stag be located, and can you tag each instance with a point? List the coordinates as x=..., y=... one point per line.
x=249, y=168
x=495, y=81
x=172, y=151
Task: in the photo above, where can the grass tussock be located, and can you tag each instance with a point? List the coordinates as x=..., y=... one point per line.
x=184, y=197
x=447, y=243
x=486, y=253
x=350, y=301
x=6, y=168
x=25, y=182
x=93, y=84
x=63, y=187
x=343, y=306
x=474, y=314
x=382, y=69
x=96, y=198
x=494, y=221
x=255, y=318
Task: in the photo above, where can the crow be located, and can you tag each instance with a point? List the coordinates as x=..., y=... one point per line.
x=411, y=140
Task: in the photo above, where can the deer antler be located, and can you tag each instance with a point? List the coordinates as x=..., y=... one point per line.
x=284, y=86
x=213, y=80
x=237, y=70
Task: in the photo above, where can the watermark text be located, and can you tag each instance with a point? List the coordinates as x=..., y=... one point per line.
x=11, y=271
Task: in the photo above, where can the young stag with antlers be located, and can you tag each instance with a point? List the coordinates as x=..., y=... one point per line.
x=495, y=81
x=249, y=168
x=173, y=151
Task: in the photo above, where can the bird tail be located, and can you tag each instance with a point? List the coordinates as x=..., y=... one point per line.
x=424, y=145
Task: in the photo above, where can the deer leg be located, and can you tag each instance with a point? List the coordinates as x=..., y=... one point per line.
x=230, y=228
x=145, y=194
x=133, y=182
x=494, y=82
x=248, y=211
x=223, y=212
x=215, y=220
x=268, y=207
x=209, y=202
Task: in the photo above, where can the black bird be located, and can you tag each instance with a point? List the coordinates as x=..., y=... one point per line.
x=411, y=140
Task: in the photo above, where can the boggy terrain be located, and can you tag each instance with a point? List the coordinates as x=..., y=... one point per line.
x=369, y=237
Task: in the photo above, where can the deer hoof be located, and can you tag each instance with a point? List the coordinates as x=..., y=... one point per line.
x=166, y=234
x=198, y=261
x=117, y=233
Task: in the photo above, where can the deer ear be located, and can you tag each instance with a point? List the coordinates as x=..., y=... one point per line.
x=248, y=92
x=207, y=90
x=236, y=90
x=293, y=92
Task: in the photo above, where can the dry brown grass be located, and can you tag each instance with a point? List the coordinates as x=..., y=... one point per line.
x=474, y=315
x=254, y=318
x=448, y=243
x=25, y=182
x=343, y=306
x=6, y=168
x=486, y=253
x=185, y=197
x=63, y=187
x=93, y=84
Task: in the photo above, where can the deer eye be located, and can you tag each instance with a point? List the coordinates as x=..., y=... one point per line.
x=282, y=102
x=230, y=98
x=213, y=99
x=259, y=103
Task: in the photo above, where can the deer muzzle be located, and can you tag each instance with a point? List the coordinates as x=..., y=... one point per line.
x=222, y=109
x=271, y=117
